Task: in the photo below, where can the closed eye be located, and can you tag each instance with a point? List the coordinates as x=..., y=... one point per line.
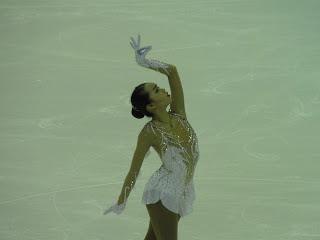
x=157, y=88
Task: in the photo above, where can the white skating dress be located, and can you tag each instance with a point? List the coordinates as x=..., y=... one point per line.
x=173, y=183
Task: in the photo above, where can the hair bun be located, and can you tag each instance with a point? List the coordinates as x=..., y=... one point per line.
x=136, y=113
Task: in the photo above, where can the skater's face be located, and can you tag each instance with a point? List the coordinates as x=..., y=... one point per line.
x=158, y=96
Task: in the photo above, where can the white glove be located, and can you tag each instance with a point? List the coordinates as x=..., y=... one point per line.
x=115, y=208
x=119, y=208
x=142, y=61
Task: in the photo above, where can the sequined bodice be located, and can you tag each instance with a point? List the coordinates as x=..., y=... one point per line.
x=178, y=152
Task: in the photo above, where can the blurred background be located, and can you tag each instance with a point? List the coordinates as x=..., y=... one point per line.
x=250, y=74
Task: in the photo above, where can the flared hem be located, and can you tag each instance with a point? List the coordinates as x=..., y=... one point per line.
x=181, y=205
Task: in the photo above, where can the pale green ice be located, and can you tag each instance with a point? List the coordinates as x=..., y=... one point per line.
x=251, y=80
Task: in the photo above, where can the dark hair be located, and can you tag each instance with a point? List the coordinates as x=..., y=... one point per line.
x=139, y=100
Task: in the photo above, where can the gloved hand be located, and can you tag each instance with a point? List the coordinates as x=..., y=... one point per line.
x=140, y=54
x=115, y=208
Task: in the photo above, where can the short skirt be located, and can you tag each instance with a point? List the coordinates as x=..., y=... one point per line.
x=169, y=187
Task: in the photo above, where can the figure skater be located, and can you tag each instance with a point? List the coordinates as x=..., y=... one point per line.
x=169, y=193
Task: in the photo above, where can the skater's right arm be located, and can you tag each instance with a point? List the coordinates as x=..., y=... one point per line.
x=144, y=142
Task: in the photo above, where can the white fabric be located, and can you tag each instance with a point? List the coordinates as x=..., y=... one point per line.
x=140, y=54
x=115, y=208
x=171, y=183
x=118, y=208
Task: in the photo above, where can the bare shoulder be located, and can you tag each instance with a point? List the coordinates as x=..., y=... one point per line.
x=142, y=147
x=146, y=134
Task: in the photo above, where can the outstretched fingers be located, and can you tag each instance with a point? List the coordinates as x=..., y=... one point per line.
x=139, y=40
x=133, y=43
x=144, y=50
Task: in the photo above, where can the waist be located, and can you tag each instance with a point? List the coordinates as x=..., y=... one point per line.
x=178, y=173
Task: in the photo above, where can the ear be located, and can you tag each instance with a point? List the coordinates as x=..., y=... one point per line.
x=150, y=106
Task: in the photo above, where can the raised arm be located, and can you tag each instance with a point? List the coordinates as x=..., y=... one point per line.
x=177, y=104
x=169, y=70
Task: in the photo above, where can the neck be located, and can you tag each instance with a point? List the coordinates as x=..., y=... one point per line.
x=161, y=116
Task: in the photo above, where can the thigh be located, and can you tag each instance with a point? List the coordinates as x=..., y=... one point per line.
x=164, y=222
x=150, y=234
